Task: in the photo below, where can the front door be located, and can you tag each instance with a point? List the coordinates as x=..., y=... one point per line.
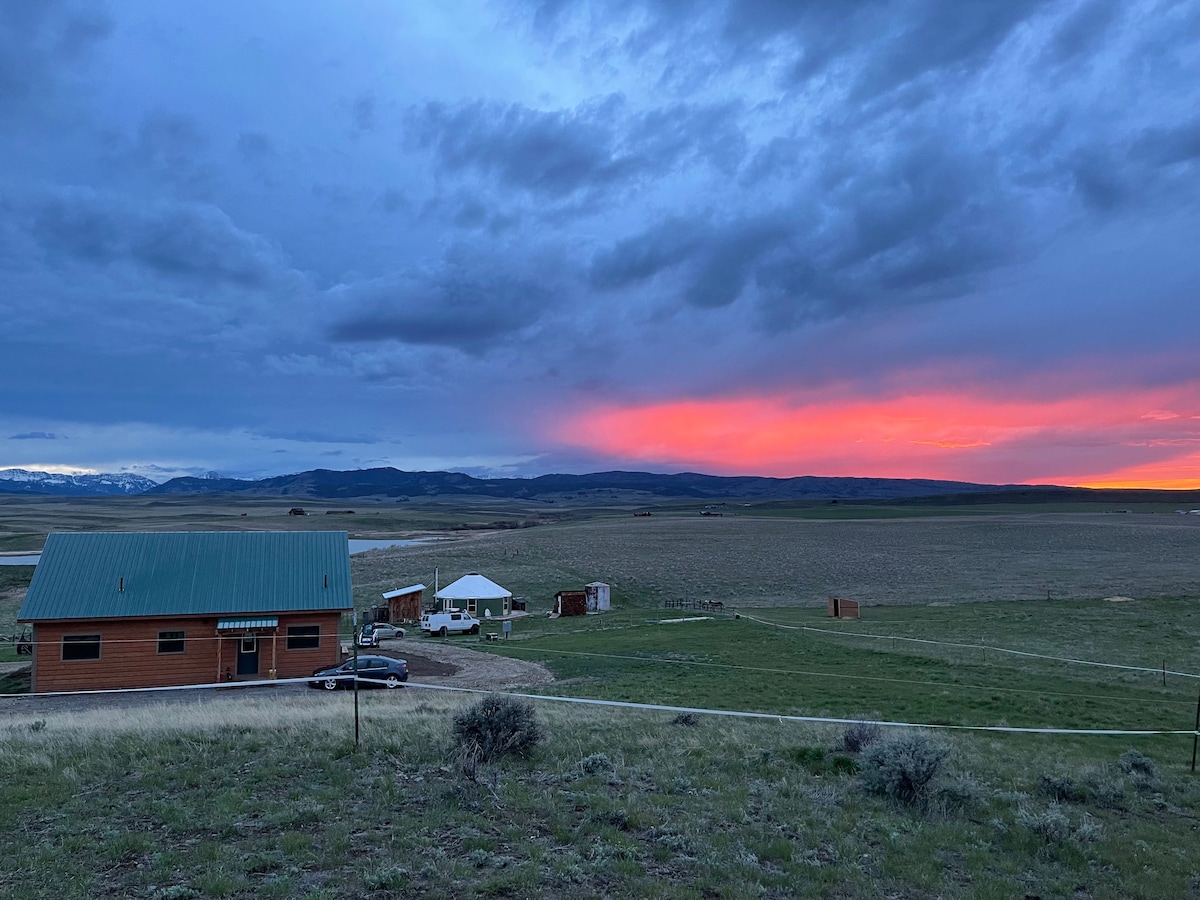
x=247, y=661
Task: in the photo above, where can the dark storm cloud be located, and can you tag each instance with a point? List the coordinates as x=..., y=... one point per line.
x=173, y=146
x=173, y=240
x=595, y=145
x=893, y=42
x=363, y=112
x=39, y=39
x=463, y=304
x=639, y=258
x=254, y=146
x=915, y=223
x=1083, y=30
x=1167, y=146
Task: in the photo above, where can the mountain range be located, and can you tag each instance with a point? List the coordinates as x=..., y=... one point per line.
x=23, y=481
x=394, y=483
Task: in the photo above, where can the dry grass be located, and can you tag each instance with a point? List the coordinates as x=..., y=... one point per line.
x=763, y=562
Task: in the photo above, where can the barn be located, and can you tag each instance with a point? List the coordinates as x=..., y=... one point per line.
x=141, y=609
x=479, y=595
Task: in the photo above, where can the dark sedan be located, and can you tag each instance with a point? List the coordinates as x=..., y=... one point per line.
x=373, y=671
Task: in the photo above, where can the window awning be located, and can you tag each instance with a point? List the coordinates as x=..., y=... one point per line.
x=260, y=622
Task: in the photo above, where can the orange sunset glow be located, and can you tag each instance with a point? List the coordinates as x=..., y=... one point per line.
x=1148, y=438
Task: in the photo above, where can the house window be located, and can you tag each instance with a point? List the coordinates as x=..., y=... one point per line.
x=249, y=642
x=303, y=637
x=81, y=646
x=170, y=642
x=471, y=606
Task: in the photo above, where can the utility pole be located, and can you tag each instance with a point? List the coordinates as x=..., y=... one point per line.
x=354, y=638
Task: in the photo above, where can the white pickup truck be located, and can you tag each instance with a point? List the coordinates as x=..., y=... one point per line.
x=450, y=622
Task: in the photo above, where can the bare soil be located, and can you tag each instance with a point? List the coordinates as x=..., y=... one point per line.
x=449, y=662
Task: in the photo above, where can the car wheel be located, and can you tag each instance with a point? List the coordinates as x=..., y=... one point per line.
x=392, y=681
x=330, y=684
x=474, y=629
x=443, y=631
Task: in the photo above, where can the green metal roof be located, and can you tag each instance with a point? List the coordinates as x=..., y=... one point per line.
x=262, y=622
x=118, y=574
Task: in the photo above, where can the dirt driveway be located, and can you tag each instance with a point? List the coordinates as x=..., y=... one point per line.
x=450, y=662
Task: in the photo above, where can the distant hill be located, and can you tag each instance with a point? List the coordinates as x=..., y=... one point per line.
x=389, y=482
x=23, y=481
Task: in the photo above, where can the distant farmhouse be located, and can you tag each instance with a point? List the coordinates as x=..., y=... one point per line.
x=124, y=610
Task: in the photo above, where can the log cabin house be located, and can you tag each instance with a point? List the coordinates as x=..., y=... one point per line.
x=141, y=609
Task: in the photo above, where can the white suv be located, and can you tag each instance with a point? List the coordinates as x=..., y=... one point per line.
x=449, y=622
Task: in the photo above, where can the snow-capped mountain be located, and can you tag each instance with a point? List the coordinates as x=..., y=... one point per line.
x=22, y=481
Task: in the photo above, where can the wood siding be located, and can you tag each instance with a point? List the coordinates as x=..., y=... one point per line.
x=570, y=603
x=406, y=607
x=129, y=654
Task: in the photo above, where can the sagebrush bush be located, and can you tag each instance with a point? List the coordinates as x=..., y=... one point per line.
x=1051, y=825
x=859, y=736
x=1142, y=772
x=496, y=726
x=596, y=763
x=1063, y=789
x=903, y=767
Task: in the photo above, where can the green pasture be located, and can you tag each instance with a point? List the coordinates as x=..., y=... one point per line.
x=738, y=664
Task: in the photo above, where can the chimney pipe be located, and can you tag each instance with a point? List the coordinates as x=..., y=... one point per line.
x=121, y=584
x=326, y=579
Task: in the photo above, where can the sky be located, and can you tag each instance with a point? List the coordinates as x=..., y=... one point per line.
x=953, y=239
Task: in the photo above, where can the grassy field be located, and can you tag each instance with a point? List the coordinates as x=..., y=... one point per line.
x=746, y=560
x=254, y=796
x=258, y=796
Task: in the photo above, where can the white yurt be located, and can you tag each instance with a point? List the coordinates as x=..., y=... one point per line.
x=476, y=595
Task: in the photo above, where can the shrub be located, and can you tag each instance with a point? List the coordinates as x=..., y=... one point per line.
x=1052, y=826
x=1103, y=788
x=1141, y=769
x=1132, y=761
x=859, y=736
x=691, y=720
x=903, y=767
x=496, y=726
x=1062, y=788
x=596, y=763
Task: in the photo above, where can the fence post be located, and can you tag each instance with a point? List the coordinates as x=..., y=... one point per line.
x=1196, y=734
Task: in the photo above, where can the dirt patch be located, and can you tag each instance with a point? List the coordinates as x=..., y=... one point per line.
x=423, y=667
x=470, y=668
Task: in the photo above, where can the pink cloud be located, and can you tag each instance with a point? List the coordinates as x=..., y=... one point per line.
x=1102, y=438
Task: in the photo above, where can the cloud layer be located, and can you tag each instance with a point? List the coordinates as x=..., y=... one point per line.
x=590, y=235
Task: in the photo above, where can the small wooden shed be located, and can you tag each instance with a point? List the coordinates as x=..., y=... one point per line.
x=841, y=608
x=569, y=603
x=404, y=605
